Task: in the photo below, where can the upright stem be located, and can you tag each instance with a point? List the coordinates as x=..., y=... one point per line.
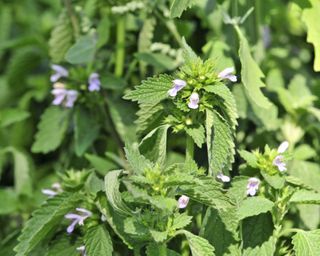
x=73, y=18
x=120, y=48
x=189, y=148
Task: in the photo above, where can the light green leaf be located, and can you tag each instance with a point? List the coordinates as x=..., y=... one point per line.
x=254, y=206
x=309, y=215
x=306, y=243
x=112, y=185
x=98, y=241
x=51, y=130
x=198, y=245
x=310, y=16
x=158, y=60
x=82, y=51
x=159, y=250
x=102, y=165
x=12, y=115
x=305, y=197
x=137, y=161
x=249, y=157
x=276, y=181
x=304, y=152
x=197, y=133
x=86, y=130
x=103, y=31
x=180, y=221
x=9, y=201
x=251, y=74
x=45, y=220
x=178, y=6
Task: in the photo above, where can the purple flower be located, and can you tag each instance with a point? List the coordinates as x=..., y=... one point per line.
x=63, y=96
x=77, y=218
x=223, y=178
x=194, y=101
x=94, y=82
x=253, y=186
x=227, y=74
x=72, y=96
x=178, y=84
x=279, y=159
x=60, y=72
x=183, y=202
x=55, y=189
x=82, y=250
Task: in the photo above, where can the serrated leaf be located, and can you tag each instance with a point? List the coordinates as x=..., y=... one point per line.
x=86, y=130
x=82, y=51
x=178, y=6
x=305, y=197
x=149, y=116
x=220, y=145
x=310, y=17
x=197, y=133
x=45, y=220
x=112, y=185
x=254, y=206
x=251, y=74
x=249, y=157
x=198, y=245
x=64, y=245
x=159, y=250
x=102, y=165
x=137, y=161
x=51, y=130
x=306, y=243
x=154, y=145
x=180, y=221
x=153, y=90
x=98, y=241
x=61, y=38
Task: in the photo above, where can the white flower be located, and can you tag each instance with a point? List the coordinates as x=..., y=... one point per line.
x=253, y=186
x=56, y=189
x=227, y=74
x=283, y=147
x=82, y=250
x=223, y=178
x=194, y=101
x=183, y=201
x=178, y=84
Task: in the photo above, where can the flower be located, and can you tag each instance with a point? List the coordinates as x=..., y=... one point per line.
x=253, y=186
x=94, y=82
x=194, y=100
x=77, y=218
x=178, y=84
x=82, y=250
x=183, y=202
x=56, y=189
x=62, y=96
x=223, y=177
x=60, y=72
x=72, y=96
x=279, y=159
x=227, y=74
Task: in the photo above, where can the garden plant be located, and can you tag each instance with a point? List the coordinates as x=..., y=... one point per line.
x=160, y=127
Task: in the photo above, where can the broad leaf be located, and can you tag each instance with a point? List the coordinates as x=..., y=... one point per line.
x=159, y=250
x=254, y=206
x=82, y=51
x=197, y=133
x=98, y=241
x=198, y=245
x=306, y=243
x=137, y=161
x=9, y=201
x=12, y=115
x=64, y=245
x=102, y=165
x=305, y=197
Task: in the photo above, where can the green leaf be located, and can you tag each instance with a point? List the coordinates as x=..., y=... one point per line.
x=276, y=181
x=306, y=243
x=153, y=90
x=98, y=241
x=198, y=245
x=149, y=115
x=257, y=236
x=180, y=221
x=12, y=115
x=159, y=250
x=51, y=130
x=154, y=145
x=178, y=6
x=220, y=143
x=251, y=74
x=249, y=157
x=310, y=17
x=102, y=165
x=305, y=197
x=137, y=161
x=304, y=152
x=103, y=31
x=86, y=130
x=254, y=206
x=158, y=60
x=61, y=38
x=64, y=245
x=309, y=215
x=45, y=220
x=112, y=185
x=197, y=133
x=82, y=51
x=9, y=201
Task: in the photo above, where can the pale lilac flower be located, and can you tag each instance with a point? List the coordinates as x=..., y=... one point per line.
x=77, y=218
x=72, y=96
x=55, y=189
x=279, y=159
x=103, y=218
x=253, y=186
x=178, y=84
x=266, y=36
x=60, y=72
x=223, y=178
x=227, y=74
x=183, y=201
x=94, y=82
x=82, y=250
x=194, y=101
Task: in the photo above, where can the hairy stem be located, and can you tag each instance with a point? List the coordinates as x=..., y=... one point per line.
x=120, y=48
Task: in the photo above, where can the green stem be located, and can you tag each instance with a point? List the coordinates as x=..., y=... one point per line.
x=120, y=48
x=73, y=18
x=189, y=148
x=288, y=231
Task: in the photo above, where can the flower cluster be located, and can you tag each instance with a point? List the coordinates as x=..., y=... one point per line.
x=77, y=218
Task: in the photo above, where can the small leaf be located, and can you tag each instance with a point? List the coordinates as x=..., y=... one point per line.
x=305, y=197
x=178, y=6
x=102, y=165
x=82, y=51
x=98, y=241
x=180, y=221
x=198, y=245
x=12, y=115
x=197, y=133
x=306, y=243
x=254, y=206
x=249, y=157
x=137, y=161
